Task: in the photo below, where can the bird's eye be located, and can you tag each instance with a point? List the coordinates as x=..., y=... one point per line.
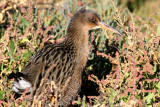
x=93, y=19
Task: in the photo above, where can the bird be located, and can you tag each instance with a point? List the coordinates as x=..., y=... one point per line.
x=61, y=64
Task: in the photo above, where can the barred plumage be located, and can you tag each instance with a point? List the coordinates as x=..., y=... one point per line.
x=61, y=64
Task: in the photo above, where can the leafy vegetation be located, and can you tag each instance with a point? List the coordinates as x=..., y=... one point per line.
x=121, y=71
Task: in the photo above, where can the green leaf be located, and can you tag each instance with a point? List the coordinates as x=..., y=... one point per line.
x=2, y=66
x=25, y=56
x=26, y=23
x=11, y=57
x=158, y=85
x=158, y=30
x=126, y=73
x=78, y=102
x=155, y=67
x=84, y=101
x=30, y=53
x=12, y=46
x=149, y=98
x=1, y=94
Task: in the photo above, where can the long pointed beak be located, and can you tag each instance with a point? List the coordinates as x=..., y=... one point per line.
x=105, y=26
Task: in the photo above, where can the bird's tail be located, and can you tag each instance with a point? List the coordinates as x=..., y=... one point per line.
x=20, y=84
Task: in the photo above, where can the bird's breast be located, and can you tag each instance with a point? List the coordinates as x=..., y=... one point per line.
x=82, y=56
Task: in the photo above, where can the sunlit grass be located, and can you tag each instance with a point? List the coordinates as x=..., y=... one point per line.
x=121, y=70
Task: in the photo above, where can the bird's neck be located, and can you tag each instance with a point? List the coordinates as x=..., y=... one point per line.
x=78, y=37
x=77, y=40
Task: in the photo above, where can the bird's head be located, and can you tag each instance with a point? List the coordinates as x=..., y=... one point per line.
x=91, y=20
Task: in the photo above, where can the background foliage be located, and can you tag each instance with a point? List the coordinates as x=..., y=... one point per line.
x=121, y=71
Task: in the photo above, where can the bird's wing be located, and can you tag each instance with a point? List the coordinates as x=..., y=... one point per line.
x=52, y=62
x=35, y=65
